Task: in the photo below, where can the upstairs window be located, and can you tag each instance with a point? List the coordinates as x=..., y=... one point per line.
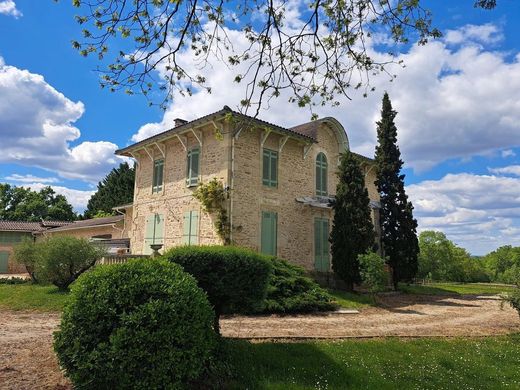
x=321, y=175
x=270, y=168
x=192, y=170
x=157, y=183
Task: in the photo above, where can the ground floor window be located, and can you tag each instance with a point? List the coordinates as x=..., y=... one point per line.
x=268, y=233
x=321, y=245
x=154, y=233
x=191, y=228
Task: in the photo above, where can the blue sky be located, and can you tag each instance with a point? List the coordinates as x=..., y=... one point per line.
x=458, y=101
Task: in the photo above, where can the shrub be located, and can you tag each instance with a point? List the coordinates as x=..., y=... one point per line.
x=26, y=253
x=63, y=259
x=14, y=280
x=235, y=279
x=141, y=325
x=373, y=273
x=291, y=291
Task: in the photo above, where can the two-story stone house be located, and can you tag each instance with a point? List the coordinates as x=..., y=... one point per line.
x=278, y=182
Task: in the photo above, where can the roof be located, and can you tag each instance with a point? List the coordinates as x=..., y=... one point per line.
x=31, y=227
x=94, y=222
x=207, y=118
x=307, y=132
x=123, y=206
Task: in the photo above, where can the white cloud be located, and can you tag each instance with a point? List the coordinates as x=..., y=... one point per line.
x=478, y=212
x=30, y=179
x=508, y=153
x=77, y=198
x=8, y=7
x=510, y=170
x=485, y=34
x=452, y=102
x=37, y=128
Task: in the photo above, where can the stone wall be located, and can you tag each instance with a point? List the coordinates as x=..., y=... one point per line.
x=296, y=178
x=12, y=266
x=116, y=231
x=176, y=198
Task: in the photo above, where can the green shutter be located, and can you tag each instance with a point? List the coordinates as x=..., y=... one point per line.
x=154, y=232
x=268, y=240
x=270, y=168
x=4, y=261
x=148, y=234
x=190, y=234
x=321, y=245
x=192, y=170
x=321, y=174
x=157, y=182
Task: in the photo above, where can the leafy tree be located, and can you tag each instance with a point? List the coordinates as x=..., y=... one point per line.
x=504, y=264
x=373, y=272
x=115, y=189
x=352, y=230
x=398, y=227
x=23, y=204
x=316, y=61
x=440, y=259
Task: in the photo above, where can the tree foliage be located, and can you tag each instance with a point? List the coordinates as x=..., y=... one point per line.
x=116, y=189
x=503, y=264
x=442, y=260
x=24, y=204
x=373, y=272
x=323, y=53
x=352, y=230
x=398, y=227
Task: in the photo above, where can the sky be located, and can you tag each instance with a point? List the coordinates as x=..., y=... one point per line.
x=457, y=98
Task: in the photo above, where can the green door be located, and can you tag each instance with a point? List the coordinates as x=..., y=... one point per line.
x=4, y=258
x=321, y=245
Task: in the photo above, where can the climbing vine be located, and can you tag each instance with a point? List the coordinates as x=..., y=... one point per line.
x=212, y=196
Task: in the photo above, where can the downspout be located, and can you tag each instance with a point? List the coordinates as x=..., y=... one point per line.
x=232, y=187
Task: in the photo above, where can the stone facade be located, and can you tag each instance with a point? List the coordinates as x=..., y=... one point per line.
x=232, y=153
x=8, y=247
x=113, y=231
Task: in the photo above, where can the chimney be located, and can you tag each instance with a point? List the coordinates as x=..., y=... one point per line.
x=179, y=122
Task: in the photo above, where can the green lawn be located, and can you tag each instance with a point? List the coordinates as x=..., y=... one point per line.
x=350, y=300
x=456, y=288
x=487, y=363
x=29, y=296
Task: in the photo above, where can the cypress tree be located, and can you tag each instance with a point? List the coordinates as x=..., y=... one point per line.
x=398, y=227
x=352, y=230
x=116, y=189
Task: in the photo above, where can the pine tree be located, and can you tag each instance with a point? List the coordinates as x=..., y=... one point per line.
x=116, y=189
x=398, y=227
x=352, y=230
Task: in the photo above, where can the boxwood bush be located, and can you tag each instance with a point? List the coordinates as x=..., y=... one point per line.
x=235, y=279
x=290, y=290
x=140, y=325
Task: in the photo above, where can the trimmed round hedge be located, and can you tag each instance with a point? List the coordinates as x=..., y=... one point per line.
x=140, y=325
x=235, y=279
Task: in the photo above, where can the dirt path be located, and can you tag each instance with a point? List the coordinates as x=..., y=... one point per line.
x=27, y=361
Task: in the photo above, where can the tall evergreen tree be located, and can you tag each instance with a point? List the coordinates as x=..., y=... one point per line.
x=398, y=227
x=352, y=230
x=117, y=188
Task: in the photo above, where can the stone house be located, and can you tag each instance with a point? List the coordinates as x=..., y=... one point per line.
x=278, y=183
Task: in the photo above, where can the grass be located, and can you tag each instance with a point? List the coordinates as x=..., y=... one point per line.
x=487, y=363
x=30, y=296
x=456, y=288
x=350, y=300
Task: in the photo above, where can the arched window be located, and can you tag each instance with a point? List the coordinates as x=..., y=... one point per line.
x=321, y=175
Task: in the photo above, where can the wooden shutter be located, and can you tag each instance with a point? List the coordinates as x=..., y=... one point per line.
x=321, y=245
x=148, y=234
x=268, y=240
x=192, y=174
x=270, y=168
x=321, y=174
x=191, y=228
x=159, y=229
x=4, y=262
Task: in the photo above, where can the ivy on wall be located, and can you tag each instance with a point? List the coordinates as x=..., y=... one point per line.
x=212, y=196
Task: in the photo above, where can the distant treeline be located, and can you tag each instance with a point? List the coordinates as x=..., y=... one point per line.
x=441, y=260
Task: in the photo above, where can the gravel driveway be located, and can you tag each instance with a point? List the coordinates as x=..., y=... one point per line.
x=27, y=360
